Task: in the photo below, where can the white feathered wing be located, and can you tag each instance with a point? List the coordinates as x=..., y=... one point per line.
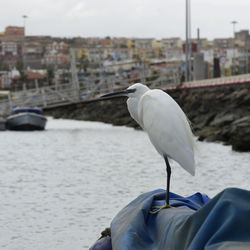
x=167, y=127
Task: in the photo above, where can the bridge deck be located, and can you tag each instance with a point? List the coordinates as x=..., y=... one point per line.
x=66, y=94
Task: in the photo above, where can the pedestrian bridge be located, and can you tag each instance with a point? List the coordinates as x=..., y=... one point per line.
x=66, y=94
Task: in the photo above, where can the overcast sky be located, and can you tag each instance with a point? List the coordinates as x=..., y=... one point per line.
x=127, y=18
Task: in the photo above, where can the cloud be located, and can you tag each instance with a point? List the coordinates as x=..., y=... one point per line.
x=80, y=11
x=141, y=18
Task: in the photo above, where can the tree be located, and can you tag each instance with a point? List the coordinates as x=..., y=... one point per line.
x=50, y=75
x=3, y=66
x=20, y=68
x=137, y=58
x=83, y=63
x=124, y=46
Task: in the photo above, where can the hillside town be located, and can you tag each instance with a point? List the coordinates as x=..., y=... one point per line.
x=45, y=60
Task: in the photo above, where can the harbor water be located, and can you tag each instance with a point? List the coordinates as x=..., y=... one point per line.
x=61, y=187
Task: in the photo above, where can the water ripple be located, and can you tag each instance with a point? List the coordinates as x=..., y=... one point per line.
x=61, y=187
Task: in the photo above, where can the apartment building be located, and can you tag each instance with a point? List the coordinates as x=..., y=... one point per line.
x=33, y=49
x=4, y=79
x=9, y=49
x=148, y=53
x=208, y=54
x=122, y=54
x=202, y=43
x=33, y=54
x=141, y=43
x=242, y=35
x=14, y=33
x=33, y=79
x=122, y=43
x=59, y=47
x=80, y=52
x=223, y=43
x=169, y=43
x=98, y=55
x=57, y=59
x=173, y=54
x=10, y=52
x=98, y=43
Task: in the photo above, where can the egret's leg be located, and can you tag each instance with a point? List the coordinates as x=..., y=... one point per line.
x=159, y=208
x=168, y=169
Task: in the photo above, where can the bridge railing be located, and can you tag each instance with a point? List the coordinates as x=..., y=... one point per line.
x=221, y=80
x=52, y=95
x=39, y=97
x=67, y=93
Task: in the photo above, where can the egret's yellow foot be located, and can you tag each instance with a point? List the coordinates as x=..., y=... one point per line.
x=159, y=208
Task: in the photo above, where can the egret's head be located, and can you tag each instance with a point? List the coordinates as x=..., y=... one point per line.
x=137, y=89
x=134, y=90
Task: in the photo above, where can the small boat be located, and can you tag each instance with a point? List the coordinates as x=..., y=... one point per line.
x=2, y=125
x=26, y=119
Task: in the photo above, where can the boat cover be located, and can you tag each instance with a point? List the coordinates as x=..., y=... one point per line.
x=194, y=222
x=26, y=109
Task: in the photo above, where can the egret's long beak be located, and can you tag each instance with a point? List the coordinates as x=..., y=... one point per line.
x=119, y=93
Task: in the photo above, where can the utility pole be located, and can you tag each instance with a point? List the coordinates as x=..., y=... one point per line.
x=75, y=81
x=198, y=40
x=233, y=61
x=24, y=59
x=246, y=52
x=188, y=47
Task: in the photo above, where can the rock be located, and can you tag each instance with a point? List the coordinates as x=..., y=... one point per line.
x=223, y=119
x=209, y=133
x=240, y=134
x=242, y=122
x=201, y=122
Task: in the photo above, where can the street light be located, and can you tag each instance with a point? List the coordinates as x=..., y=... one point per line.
x=188, y=42
x=24, y=20
x=233, y=23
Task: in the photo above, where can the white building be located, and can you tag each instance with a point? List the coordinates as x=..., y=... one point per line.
x=174, y=42
x=9, y=48
x=174, y=54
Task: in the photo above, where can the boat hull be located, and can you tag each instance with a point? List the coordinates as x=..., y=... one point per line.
x=26, y=122
x=2, y=125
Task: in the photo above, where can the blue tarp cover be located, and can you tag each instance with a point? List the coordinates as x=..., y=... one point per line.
x=27, y=109
x=195, y=222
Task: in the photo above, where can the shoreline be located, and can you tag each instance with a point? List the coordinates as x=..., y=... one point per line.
x=216, y=114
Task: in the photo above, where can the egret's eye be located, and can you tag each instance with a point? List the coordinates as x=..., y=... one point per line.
x=131, y=90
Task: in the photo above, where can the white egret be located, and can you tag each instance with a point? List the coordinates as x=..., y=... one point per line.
x=165, y=123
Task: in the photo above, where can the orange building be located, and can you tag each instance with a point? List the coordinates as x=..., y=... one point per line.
x=14, y=32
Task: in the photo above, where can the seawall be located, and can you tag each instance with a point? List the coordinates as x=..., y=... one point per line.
x=217, y=114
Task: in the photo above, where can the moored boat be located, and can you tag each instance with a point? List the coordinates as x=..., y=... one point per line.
x=26, y=119
x=2, y=125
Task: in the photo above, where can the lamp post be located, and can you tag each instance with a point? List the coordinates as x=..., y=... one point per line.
x=188, y=47
x=233, y=23
x=24, y=22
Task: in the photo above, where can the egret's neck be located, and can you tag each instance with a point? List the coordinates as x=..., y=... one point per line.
x=134, y=100
x=132, y=104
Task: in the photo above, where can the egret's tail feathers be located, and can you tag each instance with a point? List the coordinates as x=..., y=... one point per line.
x=188, y=163
x=191, y=170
